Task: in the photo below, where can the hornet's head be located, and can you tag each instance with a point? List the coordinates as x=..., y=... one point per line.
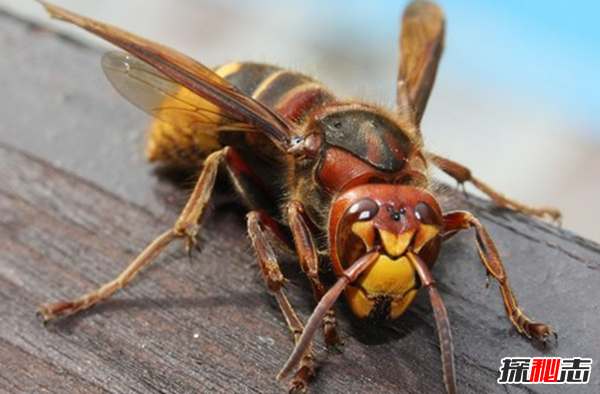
x=396, y=220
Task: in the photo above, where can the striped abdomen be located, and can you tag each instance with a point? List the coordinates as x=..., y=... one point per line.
x=187, y=143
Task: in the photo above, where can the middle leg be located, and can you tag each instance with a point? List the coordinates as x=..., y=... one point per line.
x=462, y=175
x=186, y=226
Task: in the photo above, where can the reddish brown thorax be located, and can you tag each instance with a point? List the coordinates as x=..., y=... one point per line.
x=360, y=143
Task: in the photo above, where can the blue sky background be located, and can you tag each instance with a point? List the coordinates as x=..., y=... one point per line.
x=564, y=35
x=547, y=50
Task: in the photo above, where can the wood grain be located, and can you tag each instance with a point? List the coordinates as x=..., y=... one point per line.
x=77, y=202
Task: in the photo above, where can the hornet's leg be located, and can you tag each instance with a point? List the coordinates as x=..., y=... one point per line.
x=262, y=230
x=186, y=226
x=462, y=174
x=461, y=220
x=300, y=224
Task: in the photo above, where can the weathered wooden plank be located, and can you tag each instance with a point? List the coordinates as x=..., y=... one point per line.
x=211, y=326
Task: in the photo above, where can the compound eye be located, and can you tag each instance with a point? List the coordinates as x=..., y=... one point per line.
x=426, y=214
x=365, y=209
x=355, y=233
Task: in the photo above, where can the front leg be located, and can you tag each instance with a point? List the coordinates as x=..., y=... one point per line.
x=263, y=231
x=461, y=220
x=462, y=174
x=300, y=225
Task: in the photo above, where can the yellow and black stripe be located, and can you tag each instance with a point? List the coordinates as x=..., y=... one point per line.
x=184, y=141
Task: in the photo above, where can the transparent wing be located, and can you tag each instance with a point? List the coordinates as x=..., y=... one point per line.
x=187, y=73
x=163, y=98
